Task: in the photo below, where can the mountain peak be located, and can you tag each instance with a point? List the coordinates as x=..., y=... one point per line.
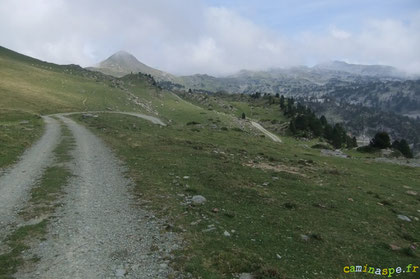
x=121, y=57
x=122, y=63
x=122, y=52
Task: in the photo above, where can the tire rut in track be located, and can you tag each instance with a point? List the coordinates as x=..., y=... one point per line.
x=16, y=181
x=100, y=232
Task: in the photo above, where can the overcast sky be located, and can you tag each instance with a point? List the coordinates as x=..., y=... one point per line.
x=215, y=36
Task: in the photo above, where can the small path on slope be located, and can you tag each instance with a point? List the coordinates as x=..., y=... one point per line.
x=100, y=233
x=267, y=133
x=16, y=182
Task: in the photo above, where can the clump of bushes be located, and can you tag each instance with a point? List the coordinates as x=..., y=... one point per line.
x=382, y=140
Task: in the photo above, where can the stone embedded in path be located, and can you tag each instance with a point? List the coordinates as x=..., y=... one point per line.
x=120, y=272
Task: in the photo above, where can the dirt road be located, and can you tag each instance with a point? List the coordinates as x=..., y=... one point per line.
x=100, y=233
x=16, y=182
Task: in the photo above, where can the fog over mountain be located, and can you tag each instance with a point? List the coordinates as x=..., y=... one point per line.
x=122, y=63
x=214, y=37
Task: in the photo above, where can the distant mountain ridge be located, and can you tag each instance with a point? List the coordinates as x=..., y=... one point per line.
x=362, y=70
x=123, y=63
x=378, y=86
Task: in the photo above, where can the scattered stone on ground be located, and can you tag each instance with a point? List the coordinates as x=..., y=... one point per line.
x=246, y=276
x=334, y=153
x=89, y=115
x=394, y=247
x=404, y=218
x=411, y=193
x=198, y=200
x=304, y=237
x=275, y=167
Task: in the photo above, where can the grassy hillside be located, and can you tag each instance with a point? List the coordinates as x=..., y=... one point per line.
x=273, y=210
x=30, y=87
x=18, y=130
x=33, y=86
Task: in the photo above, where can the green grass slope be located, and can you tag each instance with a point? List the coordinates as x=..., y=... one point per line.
x=34, y=86
x=289, y=212
x=30, y=87
x=273, y=210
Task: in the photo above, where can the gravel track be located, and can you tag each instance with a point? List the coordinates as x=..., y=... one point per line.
x=152, y=119
x=16, y=181
x=267, y=133
x=100, y=231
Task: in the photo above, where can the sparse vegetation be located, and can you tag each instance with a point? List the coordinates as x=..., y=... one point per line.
x=18, y=131
x=269, y=206
x=39, y=208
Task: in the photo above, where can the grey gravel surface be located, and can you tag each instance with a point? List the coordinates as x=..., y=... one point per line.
x=152, y=119
x=16, y=181
x=100, y=232
x=265, y=132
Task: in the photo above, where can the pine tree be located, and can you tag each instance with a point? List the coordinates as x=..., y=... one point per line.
x=301, y=123
x=354, y=142
x=403, y=147
x=336, y=140
x=323, y=120
x=292, y=126
x=381, y=140
x=282, y=102
x=243, y=115
x=315, y=125
x=328, y=132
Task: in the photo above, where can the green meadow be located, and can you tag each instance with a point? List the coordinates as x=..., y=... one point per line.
x=275, y=210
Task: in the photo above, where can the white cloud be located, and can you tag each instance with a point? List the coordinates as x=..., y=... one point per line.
x=339, y=34
x=387, y=42
x=186, y=36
